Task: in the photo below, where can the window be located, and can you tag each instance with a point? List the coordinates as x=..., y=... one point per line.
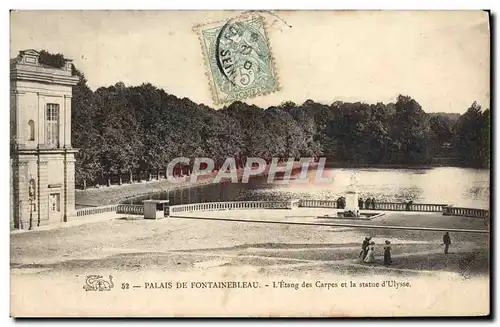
x=52, y=124
x=31, y=126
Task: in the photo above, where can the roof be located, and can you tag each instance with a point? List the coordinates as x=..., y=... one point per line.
x=156, y=201
x=30, y=52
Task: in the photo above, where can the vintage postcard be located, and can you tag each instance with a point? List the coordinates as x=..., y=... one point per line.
x=238, y=57
x=250, y=163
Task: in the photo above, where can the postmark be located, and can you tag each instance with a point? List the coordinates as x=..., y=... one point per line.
x=238, y=58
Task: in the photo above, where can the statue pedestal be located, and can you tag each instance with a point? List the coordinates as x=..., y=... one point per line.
x=351, y=202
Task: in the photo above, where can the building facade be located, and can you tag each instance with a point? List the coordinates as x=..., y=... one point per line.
x=42, y=158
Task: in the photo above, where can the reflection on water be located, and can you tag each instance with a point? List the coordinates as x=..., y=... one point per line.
x=445, y=185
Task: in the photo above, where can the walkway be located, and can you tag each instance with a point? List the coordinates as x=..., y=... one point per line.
x=75, y=221
x=316, y=217
x=49, y=264
x=104, y=238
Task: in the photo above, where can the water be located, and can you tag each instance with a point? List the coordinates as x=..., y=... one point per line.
x=463, y=187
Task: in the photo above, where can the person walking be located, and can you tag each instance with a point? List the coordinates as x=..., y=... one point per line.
x=360, y=203
x=446, y=242
x=373, y=203
x=370, y=255
x=364, y=248
x=387, y=253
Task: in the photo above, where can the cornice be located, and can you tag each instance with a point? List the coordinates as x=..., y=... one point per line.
x=43, y=75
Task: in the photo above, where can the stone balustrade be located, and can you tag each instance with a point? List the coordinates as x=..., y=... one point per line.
x=96, y=210
x=318, y=203
x=426, y=207
x=138, y=209
x=233, y=205
x=465, y=212
x=387, y=206
x=134, y=209
x=401, y=206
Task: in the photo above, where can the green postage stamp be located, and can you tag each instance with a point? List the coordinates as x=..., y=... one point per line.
x=238, y=59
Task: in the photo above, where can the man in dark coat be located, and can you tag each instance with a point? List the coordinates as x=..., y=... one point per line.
x=367, y=203
x=364, y=248
x=446, y=242
x=360, y=203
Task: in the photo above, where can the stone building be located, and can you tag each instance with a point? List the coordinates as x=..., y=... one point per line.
x=42, y=159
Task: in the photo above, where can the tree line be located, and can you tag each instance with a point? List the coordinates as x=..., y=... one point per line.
x=138, y=129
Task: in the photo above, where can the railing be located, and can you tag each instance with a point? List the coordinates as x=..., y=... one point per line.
x=397, y=206
x=135, y=209
x=427, y=207
x=388, y=206
x=213, y=206
x=96, y=210
x=318, y=203
x=466, y=212
x=138, y=209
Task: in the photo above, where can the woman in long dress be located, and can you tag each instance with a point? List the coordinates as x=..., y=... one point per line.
x=387, y=253
x=370, y=256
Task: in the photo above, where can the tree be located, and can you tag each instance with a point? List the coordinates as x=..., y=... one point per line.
x=472, y=137
x=142, y=128
x=410, y=132
x=441, y=135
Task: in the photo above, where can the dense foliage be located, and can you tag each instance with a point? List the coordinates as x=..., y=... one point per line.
x=122, y=129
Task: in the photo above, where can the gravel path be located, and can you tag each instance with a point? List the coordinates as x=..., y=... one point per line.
x=184, y=244
x=49, y=269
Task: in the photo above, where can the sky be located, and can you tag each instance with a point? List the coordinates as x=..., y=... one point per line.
x=440, y=58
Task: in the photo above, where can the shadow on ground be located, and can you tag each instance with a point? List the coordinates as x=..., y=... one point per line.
x=408, y=259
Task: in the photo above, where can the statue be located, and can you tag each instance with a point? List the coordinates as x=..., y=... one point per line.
x=32, y=189
x=353, y=185
x=351, y=208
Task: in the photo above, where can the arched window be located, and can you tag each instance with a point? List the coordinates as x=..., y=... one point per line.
x=31, y=125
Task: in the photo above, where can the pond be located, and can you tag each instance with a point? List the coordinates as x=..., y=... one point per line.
x=464, y=187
